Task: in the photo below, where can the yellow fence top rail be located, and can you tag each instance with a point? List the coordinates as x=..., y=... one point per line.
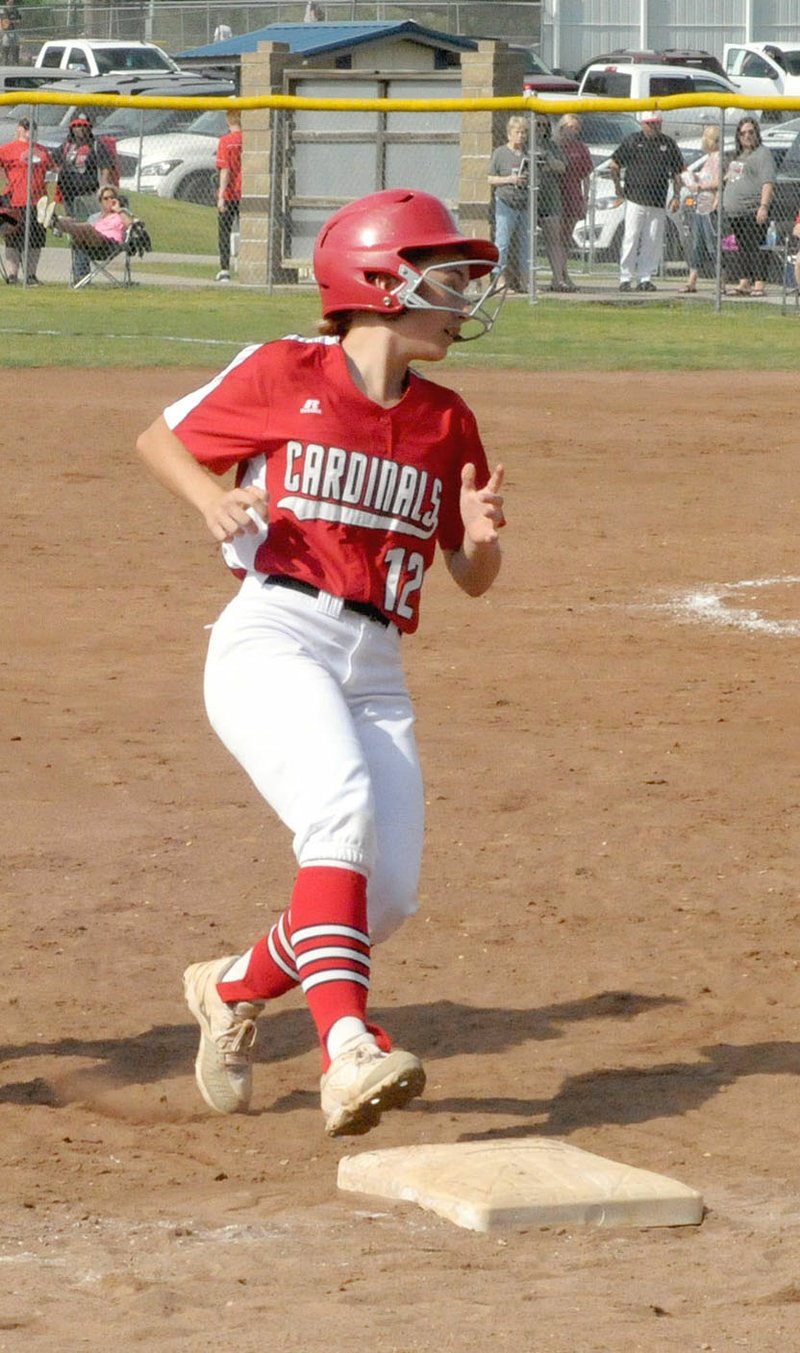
x=517, y=103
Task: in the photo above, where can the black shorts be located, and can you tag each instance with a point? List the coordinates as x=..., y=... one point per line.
x=14, y=235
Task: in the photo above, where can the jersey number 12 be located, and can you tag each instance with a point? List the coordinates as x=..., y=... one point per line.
x=404, y=575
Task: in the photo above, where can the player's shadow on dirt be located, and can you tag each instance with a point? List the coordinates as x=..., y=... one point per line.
x=634, y=1094
x=436, y=1031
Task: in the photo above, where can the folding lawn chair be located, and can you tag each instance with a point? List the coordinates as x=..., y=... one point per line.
x=136, y=244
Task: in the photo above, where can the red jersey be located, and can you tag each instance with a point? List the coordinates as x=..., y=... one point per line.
x=358, y=494
x=14, y=162
x=229, y=156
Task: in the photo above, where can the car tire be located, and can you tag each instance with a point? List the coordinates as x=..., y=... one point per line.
x=200, y=187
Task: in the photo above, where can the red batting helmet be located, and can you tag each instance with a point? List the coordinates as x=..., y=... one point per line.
x=379, y=234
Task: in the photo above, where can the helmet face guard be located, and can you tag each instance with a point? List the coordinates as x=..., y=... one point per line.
x=477, y=306
x=380, y=236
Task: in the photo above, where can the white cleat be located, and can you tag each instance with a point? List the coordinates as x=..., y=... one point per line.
x=363, y=1082
x=223, y=1068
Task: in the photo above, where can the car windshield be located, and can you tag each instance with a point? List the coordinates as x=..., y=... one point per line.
x=535, y=64
x=210, y=123
x=46, y=114
x=608, y=84
x=110, y=59
x=607, y=129
x=132, y=121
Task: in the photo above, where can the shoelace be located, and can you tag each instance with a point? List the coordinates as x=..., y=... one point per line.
x=238, y=1040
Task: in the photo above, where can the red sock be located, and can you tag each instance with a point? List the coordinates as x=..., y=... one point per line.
x=331, y=945
x=271, y=971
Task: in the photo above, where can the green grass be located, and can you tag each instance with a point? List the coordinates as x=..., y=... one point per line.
x=174, y=227
x=177, y=227
x=153, y=325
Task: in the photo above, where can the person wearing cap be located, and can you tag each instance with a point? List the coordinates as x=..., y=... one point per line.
x=652, y=165
x=84, y=165
x=24, y=164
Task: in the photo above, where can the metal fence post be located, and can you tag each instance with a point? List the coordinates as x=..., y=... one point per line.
x=718, y=289
x=276, y=124
x=26, y=239
x=533, y=204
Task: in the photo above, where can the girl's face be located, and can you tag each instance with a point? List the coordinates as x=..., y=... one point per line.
x=432, y=331
x=109, y=202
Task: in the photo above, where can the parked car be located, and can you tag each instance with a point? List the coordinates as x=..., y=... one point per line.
x=669, y=56
x=103, y=56
x=126, y=122
x=771, y=68
x=786, y=197
x=182, y=165
x=629, y=80
x=540, y=78
x=52, y=120
x=605, y=222
x=603, y=132
x=26, y=77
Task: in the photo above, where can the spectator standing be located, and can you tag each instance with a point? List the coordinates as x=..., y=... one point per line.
x=574, y=183
x=84, y=165
x=25, y=164
x=223, y=32
x=508, y=175
x=551, y=167
x=10, y=19
x=703, y=182
x=651, y=162
x=746, y=200
x=229, y=193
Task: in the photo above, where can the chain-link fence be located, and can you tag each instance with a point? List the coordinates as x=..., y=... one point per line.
x=176, y=27
x=245, y=206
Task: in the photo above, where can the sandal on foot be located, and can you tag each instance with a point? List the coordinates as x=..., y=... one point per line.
x=687, y=290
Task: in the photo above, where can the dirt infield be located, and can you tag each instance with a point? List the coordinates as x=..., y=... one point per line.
x=607, y=945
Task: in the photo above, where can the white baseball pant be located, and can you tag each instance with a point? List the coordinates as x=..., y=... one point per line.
x=311, y=699
x=642, y=242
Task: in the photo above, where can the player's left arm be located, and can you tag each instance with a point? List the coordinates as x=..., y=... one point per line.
x=476, y=564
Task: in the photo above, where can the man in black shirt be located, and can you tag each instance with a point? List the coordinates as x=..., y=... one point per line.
x=651, y=162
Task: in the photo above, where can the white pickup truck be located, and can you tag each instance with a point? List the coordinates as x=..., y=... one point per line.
x=89, y=56
x=764, y=68
x=640, y=81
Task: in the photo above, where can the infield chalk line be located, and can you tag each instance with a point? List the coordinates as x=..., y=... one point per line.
x=155, y=338
x=715, y=604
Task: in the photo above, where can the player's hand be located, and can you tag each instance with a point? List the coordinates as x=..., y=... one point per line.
x=482, y=509
x=234, y=513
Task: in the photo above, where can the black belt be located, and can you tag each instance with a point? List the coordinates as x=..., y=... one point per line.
x=360, y=607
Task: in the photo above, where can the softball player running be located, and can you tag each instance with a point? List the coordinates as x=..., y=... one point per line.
x=349, y=468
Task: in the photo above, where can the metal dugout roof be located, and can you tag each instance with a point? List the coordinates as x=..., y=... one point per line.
x=315, y=38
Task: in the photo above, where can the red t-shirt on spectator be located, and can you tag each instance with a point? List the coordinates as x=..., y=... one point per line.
x=14, y=162
x=229, y=156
